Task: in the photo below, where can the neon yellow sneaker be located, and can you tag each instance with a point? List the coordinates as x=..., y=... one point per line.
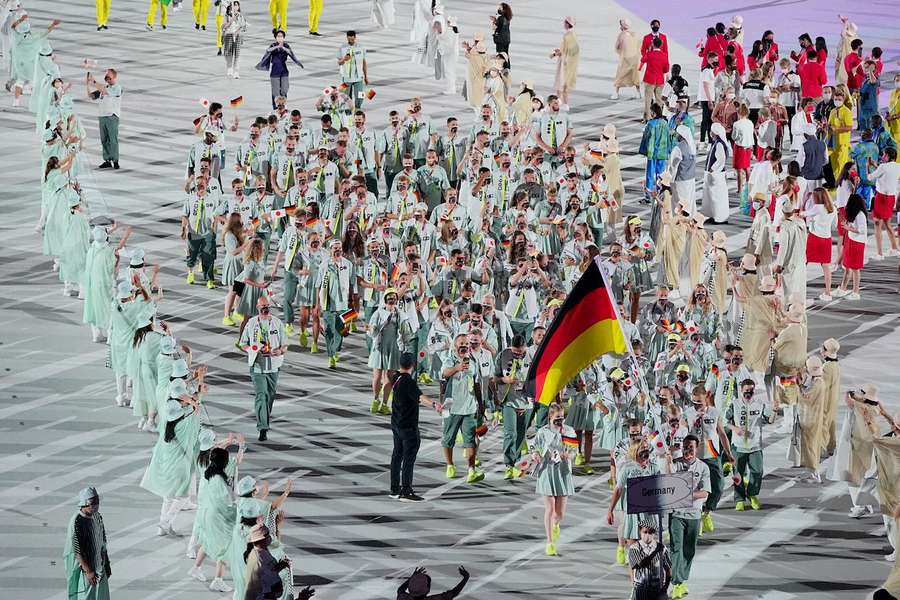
x=190, y=278
x=707, y=522
x=475, y=476
x=477, y=461
x=508, y=473
x=385, y=409
x=517, y=472
x=551, y=550
x=588, y=470
x=754, y=503
x=303, y=338
x=337, y=357
x=376, y=404
x=579, y=459
x=238, y=317
x=451, y=471
x=679, y=590
x=288, y=330
x=210, y=284
x=726, y=468
x=332, y=362
x=620, y=555
x=227, y=321
x=739, y=505
x=424, y=379
x=314, y=349
x=555, y=532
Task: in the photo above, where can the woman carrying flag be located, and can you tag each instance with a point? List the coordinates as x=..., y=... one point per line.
x=554, y=447
x=384, y=356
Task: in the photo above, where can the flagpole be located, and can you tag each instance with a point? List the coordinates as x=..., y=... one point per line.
x=606, y=282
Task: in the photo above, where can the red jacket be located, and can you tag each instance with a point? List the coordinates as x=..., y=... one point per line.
x=657, y=63
x=713, y=44
x=812, y=78
x=853, y=67
x=648, y=40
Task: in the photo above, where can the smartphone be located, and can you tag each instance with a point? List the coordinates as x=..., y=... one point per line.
x=870, y=402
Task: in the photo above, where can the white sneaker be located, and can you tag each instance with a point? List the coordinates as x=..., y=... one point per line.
x=614, y=96
x=191, y=554
x=120, y=401
x=840, y=293
x=853, y=296
x=55, y=265
x=141, y=424
x=172, y=532
x=218, y=585
x=149, y=427
x=80, y=294
x=161, y=531
x=857, y=512
x=894, y=252
x=237, y=75
x=229, y=73
x=67, y=290
x=825, y=297
x=197, y=573
x=891, y=557
x=16, y=102
x=876, y=257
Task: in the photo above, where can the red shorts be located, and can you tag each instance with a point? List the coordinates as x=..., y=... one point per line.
x=818, y=249
x=742, y=157
x=883, y=207
x=842, y=216
x=854, y=253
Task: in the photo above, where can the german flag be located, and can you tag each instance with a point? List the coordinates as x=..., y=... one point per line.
x=235, y=102
x=348, y=315
x=585, y=327
x=570, y=441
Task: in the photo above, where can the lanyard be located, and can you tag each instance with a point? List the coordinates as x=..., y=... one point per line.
x=319, y=178
x=293, y=252
x=553, y=133
x=504, y=180
x=201, y=205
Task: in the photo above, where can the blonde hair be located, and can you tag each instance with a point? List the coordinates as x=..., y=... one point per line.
x=556, y=408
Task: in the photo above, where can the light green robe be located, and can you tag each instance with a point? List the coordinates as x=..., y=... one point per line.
x=169, y=472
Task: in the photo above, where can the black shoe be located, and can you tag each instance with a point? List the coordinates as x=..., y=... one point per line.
x=106, y=27
x=411, y=497
x=116, y=165
x=263, y=435
x=99, y=27
x=219, y=53
x=315, y=33
x=164, y=27
x=394, y=494
x=197, y=26
x=203, y=27
x=106, y=165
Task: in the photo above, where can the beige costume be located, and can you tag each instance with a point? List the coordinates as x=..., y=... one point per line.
x=812, y=404
x=672, y=235
x=832, y=378
x=628, y=47
x=567, y=63
x=478, y=66
x=760, y=317
x=790, y=349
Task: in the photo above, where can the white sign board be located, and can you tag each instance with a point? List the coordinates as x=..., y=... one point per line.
x=660, y=493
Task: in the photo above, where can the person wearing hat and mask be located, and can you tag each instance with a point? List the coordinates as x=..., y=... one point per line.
x=760, y=324
x=553, y=460
x=744, y=285
x=264, y=342
x=262, y=572
x=171, y=464
x=650, y=563
x=715, y=189
x=831, y=374
x=418, y=586
x=124, y=314
x=336, y=281
x=704, y=417
x=86, y=558
x=74, y=244
x=682, y=167
x=745, y=418
x=473, y=90
x=145, y=347
x=789, y=356
x=790, y=263
x=691, y=259
x=628, y=48
x=100, y=281
x=462, y=393
x=567, y=55
x=715, y=272
x=807, y=427
x=651, y=320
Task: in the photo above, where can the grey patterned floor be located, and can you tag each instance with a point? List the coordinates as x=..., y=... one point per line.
x=61, y=430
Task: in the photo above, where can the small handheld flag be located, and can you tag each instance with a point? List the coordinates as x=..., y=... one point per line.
x=570, y=441
x=204, y=102
x=370, y=94
x=348, y=316
x=235, y=102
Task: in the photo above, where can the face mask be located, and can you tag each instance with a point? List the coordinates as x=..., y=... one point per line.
x=655, y=28
x=826, y=97
x=838, y=102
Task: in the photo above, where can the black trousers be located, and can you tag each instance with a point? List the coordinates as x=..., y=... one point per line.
x=403, y=459
x=706, y=120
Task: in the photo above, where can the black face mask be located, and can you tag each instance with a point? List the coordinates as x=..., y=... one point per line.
x=655, y=28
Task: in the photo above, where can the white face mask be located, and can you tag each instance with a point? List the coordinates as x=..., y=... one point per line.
x=838, y=102
x=826, y=97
